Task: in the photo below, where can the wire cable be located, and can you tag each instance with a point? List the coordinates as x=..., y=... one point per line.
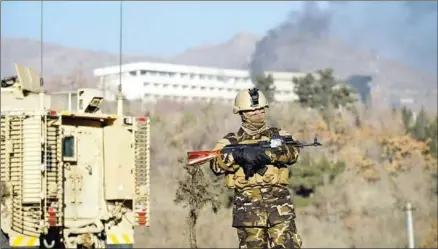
x=120, y=46
x=42, y=44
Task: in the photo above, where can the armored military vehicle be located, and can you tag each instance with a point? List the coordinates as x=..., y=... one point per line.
x=70, y=179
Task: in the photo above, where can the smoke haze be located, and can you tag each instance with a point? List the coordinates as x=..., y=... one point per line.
x=405, y=31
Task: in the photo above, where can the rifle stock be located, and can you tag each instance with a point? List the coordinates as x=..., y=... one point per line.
x=200, y=157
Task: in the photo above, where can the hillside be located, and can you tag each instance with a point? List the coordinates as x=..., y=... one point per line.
x=235, y=53
x=58, y=60
x=392, y=80
x=356, y=206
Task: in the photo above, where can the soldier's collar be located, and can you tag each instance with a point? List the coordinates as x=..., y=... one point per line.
x=243, y=131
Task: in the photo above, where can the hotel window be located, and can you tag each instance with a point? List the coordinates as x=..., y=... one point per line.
x=143, y=72
x=133, y=73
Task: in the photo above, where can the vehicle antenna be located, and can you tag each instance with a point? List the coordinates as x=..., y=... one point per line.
x=119, y=92
x=42, y=44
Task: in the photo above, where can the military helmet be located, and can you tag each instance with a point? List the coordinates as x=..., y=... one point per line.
x=250, y=99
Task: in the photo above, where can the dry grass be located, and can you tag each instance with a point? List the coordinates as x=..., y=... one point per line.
x=363, y=208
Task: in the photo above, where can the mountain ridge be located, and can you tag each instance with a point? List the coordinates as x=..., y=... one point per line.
x=394, y=77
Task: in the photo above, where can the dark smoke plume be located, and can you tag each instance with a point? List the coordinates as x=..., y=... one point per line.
x=405, y=31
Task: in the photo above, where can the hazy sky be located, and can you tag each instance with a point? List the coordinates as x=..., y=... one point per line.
x=152, y=28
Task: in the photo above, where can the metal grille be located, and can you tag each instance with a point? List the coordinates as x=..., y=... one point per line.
x=142, y=169
x=21, y=163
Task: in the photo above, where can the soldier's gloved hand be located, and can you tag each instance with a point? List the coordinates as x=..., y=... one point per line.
x=251, y=159
x=255, y=156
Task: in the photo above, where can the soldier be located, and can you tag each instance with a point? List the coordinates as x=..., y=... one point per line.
x=263, y=213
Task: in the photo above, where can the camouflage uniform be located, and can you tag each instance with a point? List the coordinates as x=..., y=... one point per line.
x=263, y=213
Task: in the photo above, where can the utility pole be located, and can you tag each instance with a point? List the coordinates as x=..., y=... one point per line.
x=409, y=224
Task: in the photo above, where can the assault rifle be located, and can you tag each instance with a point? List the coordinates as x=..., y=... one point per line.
x=200, y=157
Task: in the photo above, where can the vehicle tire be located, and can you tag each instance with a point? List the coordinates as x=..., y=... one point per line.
x=4, y=241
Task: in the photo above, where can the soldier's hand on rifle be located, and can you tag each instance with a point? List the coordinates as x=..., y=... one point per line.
x=251, y=159
x=251, y=155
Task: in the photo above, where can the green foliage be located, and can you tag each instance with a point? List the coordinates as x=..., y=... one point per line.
x=195, y=192
x=432, y=133
x=323, y=91
x=406, y=117
x=309, y=174
x=423, y=129
x=266, y=85
x=420, y=128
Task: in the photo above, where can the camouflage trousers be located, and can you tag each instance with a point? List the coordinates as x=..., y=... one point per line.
x=278, y=236
x=265, y=218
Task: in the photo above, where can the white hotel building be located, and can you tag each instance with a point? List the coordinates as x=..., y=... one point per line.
x=150, y=81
